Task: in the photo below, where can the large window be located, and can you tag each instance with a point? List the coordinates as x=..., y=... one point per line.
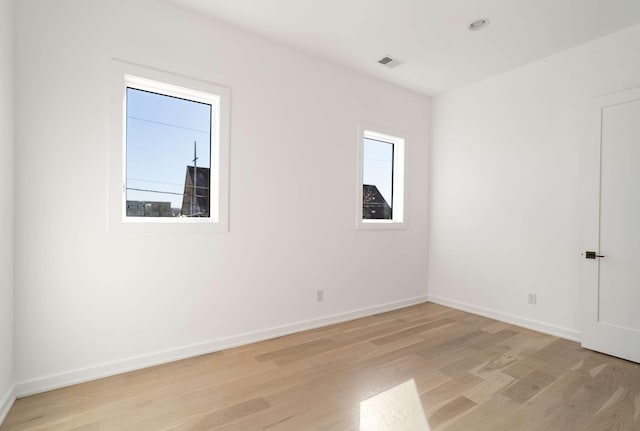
x=174, y=149
x=380, y=180
x=168, y=142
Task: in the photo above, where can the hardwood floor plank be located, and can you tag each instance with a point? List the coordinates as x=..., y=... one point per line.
x=451, y=410
x=489, y=416
x=523, y=367
x=221, y=417
x=524, y=389
x=423, y=328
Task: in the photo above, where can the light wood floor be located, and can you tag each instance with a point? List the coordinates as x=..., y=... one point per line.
x=471, y=373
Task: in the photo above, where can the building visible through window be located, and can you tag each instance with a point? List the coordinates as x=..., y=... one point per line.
x=374, y=206
x=195, y=199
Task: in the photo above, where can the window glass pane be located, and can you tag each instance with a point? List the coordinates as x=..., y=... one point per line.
x=377, y=181
x=168, y=150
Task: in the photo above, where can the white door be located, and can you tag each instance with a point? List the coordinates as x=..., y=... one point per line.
x=611, y=205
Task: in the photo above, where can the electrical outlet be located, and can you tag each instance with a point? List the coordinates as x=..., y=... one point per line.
x=532, y=298
x=319, y=295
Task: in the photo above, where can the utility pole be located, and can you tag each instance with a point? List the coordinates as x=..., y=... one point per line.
x=194, y=188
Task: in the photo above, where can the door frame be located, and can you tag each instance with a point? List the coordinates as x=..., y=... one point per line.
x=596, y=335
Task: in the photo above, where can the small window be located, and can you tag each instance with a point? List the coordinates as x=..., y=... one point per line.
x=173, y=147
x=380, y=180
x=377, y=180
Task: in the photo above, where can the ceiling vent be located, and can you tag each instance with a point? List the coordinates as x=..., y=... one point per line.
x=389, y=62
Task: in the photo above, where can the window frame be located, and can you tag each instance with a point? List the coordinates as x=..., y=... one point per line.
x=398, y=209
x=126, y=75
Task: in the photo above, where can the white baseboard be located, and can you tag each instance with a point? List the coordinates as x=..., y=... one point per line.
x=122, y=366
x=6, y=402
x=546, y=328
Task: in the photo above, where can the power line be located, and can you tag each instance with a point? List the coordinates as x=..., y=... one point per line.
x=163, y=192
x=168, y=125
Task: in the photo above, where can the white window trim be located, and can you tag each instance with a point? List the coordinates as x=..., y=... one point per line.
x=398, y=140
x=123, y=75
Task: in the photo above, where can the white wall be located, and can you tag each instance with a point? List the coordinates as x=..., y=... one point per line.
x=505, y=209
x=6, y=205
x=92, y=299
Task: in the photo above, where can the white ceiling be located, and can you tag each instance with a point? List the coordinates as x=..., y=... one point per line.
x=430, y=36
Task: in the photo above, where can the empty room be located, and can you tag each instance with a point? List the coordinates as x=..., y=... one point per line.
x=301, y=215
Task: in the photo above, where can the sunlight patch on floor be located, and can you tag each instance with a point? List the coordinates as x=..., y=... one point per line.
x=396, y=409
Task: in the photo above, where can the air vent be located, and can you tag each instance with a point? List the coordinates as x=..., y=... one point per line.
x=389, y=61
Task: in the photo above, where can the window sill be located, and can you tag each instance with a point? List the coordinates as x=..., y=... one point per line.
x=380, y=225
